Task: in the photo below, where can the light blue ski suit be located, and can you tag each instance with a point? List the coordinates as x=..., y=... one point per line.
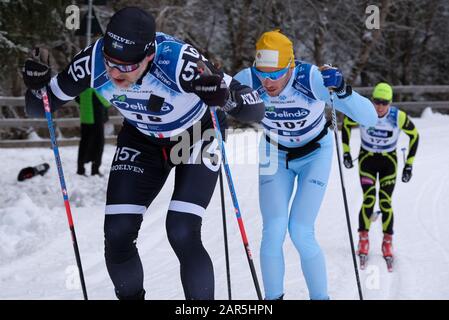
x=294, y=118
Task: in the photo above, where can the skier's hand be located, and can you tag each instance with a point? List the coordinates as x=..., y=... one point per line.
x=36, y=71
x=210, y=87
x=244, y=96
x=407, y=173
x=333, y=79
x=347, y=160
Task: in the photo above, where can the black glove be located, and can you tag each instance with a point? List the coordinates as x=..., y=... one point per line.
x=37, y=72
x=347, y=160
x=231, y=103
x=211, y=89
x=407, y=173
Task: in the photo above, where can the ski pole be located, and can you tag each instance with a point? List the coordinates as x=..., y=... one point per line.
x=65, y=196
x=343, y=189
x=204, y=69
x=225, y=233
x=403, y=154
x=249, y=256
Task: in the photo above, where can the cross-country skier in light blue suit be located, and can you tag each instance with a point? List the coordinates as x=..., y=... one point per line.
x=295, y=93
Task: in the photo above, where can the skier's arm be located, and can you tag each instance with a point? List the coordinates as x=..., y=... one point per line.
x=244, y=77
x=348, y=123
x=240, y=101
x=409, y=129
x=63, y=87
x=255, y=111
x=244, y=103
x=358, y=108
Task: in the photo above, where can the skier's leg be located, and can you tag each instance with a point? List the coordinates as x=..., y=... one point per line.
x=98, y=147
x=275, y=191
x=184, y=235
x=83, y=148
x=122, y=258
x=387, y=180
x=136, y=177
x=194, y=186
x=313, y=174
x=367, y=172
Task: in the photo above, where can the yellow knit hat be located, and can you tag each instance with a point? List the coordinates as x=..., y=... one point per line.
x=273, y=49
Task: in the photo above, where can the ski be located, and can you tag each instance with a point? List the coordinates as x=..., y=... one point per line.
x=363, y=258
x=389, y=261
x=363, y=261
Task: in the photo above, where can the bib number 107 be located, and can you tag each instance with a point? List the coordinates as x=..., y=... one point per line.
x=290, y=124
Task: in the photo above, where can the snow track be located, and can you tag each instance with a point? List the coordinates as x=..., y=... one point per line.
x=36, y=253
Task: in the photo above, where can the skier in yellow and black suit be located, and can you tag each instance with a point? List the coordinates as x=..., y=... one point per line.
x=378, y=158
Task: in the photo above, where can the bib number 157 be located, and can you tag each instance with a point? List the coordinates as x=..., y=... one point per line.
x=125, y=154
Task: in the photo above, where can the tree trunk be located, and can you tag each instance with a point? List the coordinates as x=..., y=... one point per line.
x=369, y=42
x=238, y=32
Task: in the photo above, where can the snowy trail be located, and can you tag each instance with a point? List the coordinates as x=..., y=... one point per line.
x=421, y=224
x=36, y=253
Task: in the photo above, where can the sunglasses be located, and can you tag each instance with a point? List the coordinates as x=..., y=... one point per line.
x=381, y=102
x=125, y=68
x=273, y=76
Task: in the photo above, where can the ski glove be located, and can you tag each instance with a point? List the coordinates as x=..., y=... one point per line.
x=244, y=97
x=407, y=173
x=231, y=103
x=347, y=160
x=36, y=71
x=333, y=79
x=211, y=88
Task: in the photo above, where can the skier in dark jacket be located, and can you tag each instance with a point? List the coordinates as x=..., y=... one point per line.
x=153, y=80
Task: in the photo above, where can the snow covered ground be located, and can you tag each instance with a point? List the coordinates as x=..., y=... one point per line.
x=37, y=259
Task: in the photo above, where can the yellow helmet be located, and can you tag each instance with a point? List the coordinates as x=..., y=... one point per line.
x=383, y=91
